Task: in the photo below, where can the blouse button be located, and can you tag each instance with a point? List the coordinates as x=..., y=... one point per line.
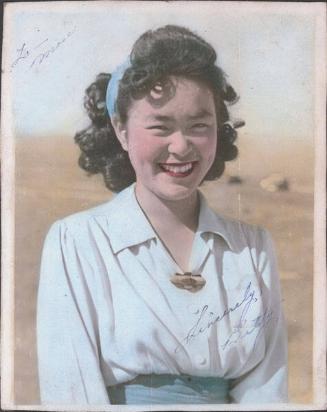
x=200, y=360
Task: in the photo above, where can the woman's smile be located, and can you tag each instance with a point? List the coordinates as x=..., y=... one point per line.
x=178, y=169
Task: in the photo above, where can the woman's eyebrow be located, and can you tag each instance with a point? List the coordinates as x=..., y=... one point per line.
x=164, y=118
x=200, y=115
x=158, y=117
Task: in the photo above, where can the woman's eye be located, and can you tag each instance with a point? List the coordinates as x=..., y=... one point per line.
x=159, y=127
x=200, y=126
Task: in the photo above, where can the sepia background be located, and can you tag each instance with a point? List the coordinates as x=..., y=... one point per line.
x=269, y=55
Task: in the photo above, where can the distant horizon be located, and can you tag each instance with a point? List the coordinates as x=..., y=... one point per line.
x=257, y=157
x=289, y=140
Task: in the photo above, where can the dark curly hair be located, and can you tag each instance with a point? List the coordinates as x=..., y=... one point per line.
x=156, y=55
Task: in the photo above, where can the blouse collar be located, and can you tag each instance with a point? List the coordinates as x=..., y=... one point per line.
x=128, y=226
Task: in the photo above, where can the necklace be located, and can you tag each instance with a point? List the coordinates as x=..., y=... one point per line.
x=188, y=281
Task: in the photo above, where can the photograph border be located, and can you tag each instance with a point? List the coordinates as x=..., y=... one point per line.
x=8, y=241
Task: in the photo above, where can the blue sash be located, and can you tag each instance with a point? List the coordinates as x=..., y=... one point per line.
x=169, y=389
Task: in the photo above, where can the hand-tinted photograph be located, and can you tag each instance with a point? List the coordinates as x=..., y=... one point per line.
x=161, y=192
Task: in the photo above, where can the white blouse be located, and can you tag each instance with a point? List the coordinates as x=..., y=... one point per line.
x=108, y=312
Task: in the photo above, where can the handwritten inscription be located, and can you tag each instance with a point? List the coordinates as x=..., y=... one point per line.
x=207, y=319
x=35, y=55
x=243, y=328
x=255, y=327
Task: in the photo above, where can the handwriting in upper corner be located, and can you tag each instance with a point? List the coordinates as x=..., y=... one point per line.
x=35, y=55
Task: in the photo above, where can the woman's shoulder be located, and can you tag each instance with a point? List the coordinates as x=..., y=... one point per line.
x=239, y=233
x=241, y=226
x=83, y=220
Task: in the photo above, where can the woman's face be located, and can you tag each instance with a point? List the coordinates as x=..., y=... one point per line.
x=171, y=138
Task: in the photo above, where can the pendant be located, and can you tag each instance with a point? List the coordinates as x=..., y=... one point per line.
x=188, y=281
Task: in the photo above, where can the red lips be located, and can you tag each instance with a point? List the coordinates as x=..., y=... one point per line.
x=178, y=169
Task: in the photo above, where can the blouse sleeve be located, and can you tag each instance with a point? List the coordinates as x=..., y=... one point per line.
x=267, y=382
x=68, y=361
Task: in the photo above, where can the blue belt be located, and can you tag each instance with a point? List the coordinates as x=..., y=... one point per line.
x=169, y=389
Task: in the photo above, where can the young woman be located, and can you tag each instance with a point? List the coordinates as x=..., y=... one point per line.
x=153, y=298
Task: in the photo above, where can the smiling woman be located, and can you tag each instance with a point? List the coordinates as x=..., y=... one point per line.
x=171, y=145
x=153, y=298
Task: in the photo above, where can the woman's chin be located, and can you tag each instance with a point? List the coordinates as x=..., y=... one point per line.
x=175, y=192
x=169, y=188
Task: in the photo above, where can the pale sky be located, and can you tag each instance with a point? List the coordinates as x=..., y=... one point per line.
x=267, y=50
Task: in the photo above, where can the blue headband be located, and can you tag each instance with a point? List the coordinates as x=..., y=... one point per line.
x=113, y=86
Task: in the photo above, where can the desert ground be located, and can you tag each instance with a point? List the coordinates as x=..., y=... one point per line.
x=49, y=185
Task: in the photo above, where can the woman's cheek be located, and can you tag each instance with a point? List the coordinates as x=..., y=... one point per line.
x=145, y=152
x=211, y=153
x=208, y=147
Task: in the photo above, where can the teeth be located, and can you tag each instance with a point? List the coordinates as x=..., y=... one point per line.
x=177, y=169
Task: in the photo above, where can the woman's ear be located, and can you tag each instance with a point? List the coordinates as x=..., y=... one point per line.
x=121, y=132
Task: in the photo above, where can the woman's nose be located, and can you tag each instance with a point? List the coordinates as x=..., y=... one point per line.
x=179, y=144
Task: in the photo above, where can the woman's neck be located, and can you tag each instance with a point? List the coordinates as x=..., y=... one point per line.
x=171, y=213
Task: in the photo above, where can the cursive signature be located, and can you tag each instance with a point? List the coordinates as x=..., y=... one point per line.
x=35, y=55
x=207, y=319
x=256, y=326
